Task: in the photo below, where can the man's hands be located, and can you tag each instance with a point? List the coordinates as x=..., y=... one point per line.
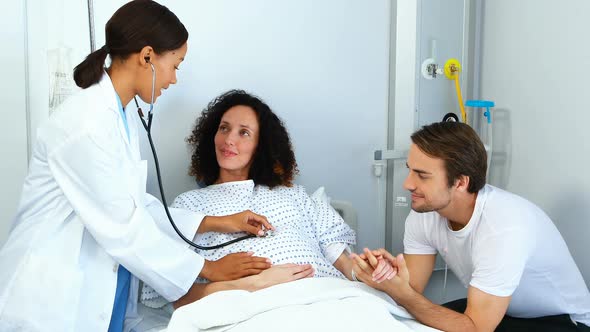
x=234, y=266
x=484, y=311
x=245, y=221
x=369, y=269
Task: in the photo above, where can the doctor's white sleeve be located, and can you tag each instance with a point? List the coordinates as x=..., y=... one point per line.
x=185, y=220
x=106, y=189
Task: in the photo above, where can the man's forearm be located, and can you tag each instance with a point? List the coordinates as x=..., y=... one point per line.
x=431, y=314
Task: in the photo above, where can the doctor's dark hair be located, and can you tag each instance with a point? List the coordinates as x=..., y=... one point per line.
x=461, y=150
x=274, y=161
x=137, y=24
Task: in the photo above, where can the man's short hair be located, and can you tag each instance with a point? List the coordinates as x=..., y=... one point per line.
x=460, y=148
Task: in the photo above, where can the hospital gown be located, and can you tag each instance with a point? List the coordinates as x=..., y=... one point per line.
x=307, y=230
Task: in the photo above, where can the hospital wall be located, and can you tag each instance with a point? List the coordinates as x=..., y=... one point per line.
x=13, y=126
x=534, y=65
x=32, y=30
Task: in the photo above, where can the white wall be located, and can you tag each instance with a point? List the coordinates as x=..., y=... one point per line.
x=13, y=126
x=535, y=60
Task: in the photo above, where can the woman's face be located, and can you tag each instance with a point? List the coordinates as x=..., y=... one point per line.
x=235, y=143
x=165, y=67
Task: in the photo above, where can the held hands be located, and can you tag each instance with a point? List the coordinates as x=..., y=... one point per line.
x=245, y=221
x=234, y=266
x=367, y=269
x=379, y=267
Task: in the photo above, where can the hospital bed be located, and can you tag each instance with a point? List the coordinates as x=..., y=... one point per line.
x=314, y=304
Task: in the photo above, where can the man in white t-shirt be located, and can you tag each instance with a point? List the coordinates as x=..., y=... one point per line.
x=518, y=270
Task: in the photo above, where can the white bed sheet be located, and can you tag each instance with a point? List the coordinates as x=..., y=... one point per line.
x=313, y=304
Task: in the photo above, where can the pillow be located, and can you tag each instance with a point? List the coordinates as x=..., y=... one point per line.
x=344, y=208
x=320, y=195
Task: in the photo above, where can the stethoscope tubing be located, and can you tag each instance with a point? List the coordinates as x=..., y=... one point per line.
x=148, y=127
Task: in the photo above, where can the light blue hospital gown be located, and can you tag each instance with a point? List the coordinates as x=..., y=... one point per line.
x=305, y=227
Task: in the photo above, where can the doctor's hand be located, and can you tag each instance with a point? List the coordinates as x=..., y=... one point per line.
x=234, y=266
x=245, y=221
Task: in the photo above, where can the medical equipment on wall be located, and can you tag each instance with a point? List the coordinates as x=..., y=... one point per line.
x=61, y=55
x=61, y=81
x=430, y=69
x=482, y=124
x=452, y=68
x=148, y=126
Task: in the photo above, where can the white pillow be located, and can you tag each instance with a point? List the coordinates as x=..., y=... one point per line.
x=344, y=209
x=320, y=195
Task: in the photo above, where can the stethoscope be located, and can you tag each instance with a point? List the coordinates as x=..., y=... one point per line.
x=148, y=127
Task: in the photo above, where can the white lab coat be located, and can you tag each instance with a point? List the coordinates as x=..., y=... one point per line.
x=83, y=210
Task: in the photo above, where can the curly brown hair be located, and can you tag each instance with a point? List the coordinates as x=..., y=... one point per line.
x=274, y=161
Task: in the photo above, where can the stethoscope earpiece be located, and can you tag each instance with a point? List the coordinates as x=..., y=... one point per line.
x=148, y=126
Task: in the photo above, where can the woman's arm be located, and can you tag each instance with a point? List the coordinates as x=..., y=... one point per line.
x=329, y=227
x=344, y=264
x=245, y=221
x=277, y=274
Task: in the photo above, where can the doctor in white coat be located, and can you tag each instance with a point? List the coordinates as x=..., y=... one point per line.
x=86, y=230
